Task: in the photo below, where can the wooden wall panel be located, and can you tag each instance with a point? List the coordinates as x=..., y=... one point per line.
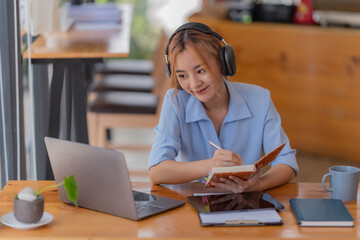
x=313, y=74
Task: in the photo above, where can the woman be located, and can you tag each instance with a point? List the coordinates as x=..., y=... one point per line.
x=202, y=105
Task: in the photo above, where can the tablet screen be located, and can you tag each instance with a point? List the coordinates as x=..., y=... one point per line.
x=234, y=201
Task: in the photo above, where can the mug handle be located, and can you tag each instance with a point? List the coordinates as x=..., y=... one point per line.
x=323, y=182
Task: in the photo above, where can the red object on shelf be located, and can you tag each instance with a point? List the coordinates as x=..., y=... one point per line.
x=304, y=12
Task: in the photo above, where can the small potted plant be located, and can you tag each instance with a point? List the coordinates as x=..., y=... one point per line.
x=29, y=203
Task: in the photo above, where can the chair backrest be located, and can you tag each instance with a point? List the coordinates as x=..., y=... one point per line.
x=162, y=82
x=159, y=66
x=100, y=121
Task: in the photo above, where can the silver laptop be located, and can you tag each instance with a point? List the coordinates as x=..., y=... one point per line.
x=103, y=180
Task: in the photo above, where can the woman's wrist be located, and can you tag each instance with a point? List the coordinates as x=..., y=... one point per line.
x=209, y=165
x=256, y=187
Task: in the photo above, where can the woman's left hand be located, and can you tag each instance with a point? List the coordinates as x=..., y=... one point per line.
x=237, y=185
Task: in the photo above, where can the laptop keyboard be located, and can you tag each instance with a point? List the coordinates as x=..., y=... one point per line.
x=141, y=197
x=144, y=208
x=142, y=201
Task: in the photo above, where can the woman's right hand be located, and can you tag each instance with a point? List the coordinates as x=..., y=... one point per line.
x=225, y=158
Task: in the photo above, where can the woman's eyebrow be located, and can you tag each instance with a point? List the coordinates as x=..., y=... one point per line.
x=197, y=66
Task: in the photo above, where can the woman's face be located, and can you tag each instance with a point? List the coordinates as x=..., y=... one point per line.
x=196, y=78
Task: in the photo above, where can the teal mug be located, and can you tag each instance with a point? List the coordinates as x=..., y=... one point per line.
x=343, y=182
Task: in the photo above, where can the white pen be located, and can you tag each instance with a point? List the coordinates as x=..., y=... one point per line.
x=214, y=145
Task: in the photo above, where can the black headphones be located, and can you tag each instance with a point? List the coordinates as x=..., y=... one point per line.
x=227, y=54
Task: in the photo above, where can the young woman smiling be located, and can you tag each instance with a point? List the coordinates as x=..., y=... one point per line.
x=202, y=105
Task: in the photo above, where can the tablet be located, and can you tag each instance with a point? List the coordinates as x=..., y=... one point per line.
x=234, y=202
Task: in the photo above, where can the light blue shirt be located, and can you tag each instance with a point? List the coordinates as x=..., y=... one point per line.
x=251, y=125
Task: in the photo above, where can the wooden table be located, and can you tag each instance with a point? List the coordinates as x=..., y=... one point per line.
x=183, y=222
x=71, y=52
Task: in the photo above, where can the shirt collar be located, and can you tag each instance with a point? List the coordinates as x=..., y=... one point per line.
x=195, y=111
x=238, y=108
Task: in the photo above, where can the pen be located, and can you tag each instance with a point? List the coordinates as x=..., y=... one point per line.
x=214, y=145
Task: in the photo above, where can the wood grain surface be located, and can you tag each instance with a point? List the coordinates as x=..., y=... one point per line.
x=80, y=223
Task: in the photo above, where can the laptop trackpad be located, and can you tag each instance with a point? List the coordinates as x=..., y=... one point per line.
x=143, y=197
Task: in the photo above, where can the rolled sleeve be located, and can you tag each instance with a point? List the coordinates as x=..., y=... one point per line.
x=164, y=148
x=166, y=145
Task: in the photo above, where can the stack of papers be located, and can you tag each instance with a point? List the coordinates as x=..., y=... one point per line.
x=90, y=12
x=96, y=26
x=236, y=209
x=238, y=218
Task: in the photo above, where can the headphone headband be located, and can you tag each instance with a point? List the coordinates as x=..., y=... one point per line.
x=196, y=26
x=227, y=55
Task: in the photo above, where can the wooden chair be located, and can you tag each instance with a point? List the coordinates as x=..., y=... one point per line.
x=122, y=82
x=126, y=66
x=134, y=75
x=123, y=109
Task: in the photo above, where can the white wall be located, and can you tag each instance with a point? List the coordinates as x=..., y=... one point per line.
x=170, y=14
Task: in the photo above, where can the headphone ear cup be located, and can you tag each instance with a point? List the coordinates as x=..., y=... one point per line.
x=223, y=61
x=229, y=61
